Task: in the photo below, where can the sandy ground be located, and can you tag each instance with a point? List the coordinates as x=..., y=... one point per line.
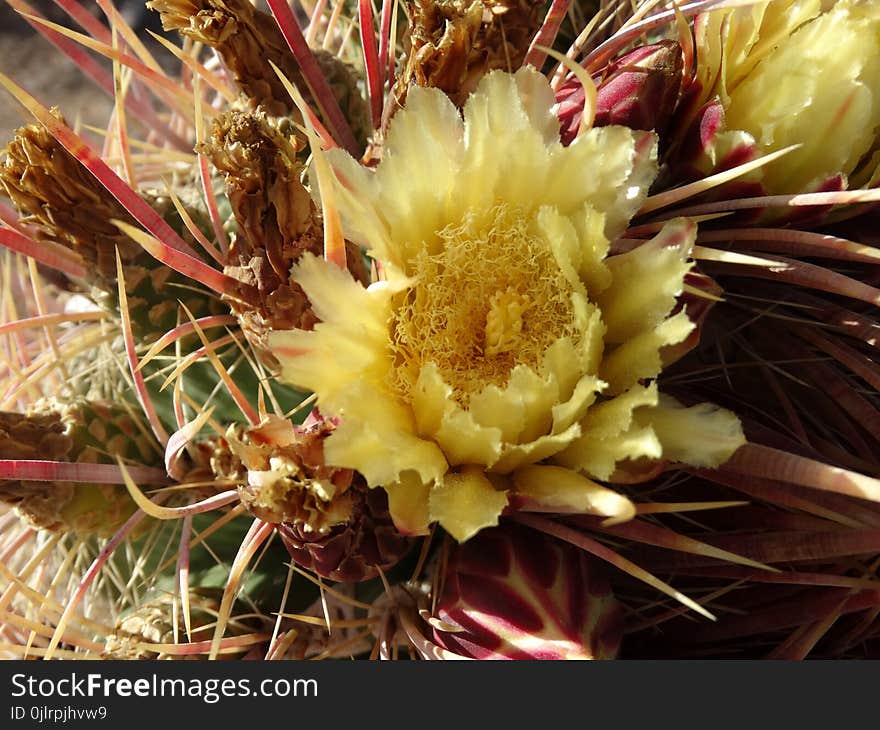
x=51, y=78
x=47, y=73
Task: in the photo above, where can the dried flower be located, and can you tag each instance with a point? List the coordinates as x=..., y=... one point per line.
x=454, y=43
x=250, y=42
x=328, y=519
x=246, y=38
x=277, y=223
x=287, y=479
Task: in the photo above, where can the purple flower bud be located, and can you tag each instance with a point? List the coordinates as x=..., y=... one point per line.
x=639, y=90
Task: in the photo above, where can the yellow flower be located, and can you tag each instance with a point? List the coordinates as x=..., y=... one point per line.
x=787, y=73
x=503, y=350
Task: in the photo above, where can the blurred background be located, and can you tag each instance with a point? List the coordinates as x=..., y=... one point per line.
x=48, y=74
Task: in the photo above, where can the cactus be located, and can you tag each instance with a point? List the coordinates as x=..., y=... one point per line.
x=411, y=346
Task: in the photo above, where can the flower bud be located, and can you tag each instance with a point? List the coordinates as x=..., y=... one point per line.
x=638, y=91
x=785, y=74
x=514, y=593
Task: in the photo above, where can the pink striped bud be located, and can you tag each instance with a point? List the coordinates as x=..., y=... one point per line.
x=514, y=593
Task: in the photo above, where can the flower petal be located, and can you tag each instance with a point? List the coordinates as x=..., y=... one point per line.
x=555, y=487
x=349, y=345
x=562, y=239
x=538, y=100
x=516, y=455
x=702, y=435
x=507, y=123
x=427, y=136
x=590, y=225
x=568, y=364
x=408, y=504
x=640, y=357
x=464, y=441
x=462, y=437
x=731, y=43
x=326, y=362
x=356, y=197
x=599, y=458
x=614, y=416
x=588, y=319
x=465, y=502
x=646, y=282
x=379, y=440
x=608, y=168
x=611, y=434
x=575, y=408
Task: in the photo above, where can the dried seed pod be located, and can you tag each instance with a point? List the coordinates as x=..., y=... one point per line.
x=64, y=201
x=250, y=41
x=277, y=223
x=246, y=38
x=66, y=205
x=453, y=43
x=213, y=457
x=84, y=432
x=209, y=466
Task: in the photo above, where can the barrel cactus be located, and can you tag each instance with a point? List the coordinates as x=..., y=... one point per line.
x=476, y=333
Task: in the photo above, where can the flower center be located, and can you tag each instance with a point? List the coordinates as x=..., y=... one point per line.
x=504, y=322
x=489, y=295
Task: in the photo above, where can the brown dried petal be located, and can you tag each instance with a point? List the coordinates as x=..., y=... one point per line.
x=287, y=479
